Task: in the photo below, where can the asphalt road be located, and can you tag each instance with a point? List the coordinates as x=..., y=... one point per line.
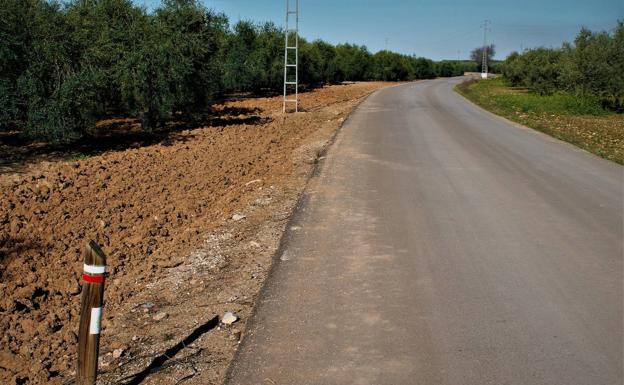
x=443, y=245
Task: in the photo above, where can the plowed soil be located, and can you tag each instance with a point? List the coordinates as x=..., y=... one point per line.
x=163, y=214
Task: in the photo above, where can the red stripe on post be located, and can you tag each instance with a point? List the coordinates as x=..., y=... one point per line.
x=94, y=278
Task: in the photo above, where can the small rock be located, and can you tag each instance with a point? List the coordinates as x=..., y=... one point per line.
x=295, y=228
x=148, y=305
x=238, y=217
x=118, y=353
x=229, y=318
x=135, y=338
x=254, y=244
x=160, y=316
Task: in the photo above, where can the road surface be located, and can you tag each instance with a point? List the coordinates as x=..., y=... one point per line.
x=443, y=245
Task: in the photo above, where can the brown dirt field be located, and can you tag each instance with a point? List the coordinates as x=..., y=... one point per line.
x=163, y=215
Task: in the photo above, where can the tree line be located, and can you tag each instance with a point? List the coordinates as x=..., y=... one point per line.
x=592, y=68
x=64, y=66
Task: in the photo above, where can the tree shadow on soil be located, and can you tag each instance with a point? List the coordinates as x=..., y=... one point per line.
x=161, y=361
x=118, y=134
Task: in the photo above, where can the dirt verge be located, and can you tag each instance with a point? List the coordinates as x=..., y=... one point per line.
x=189, y=225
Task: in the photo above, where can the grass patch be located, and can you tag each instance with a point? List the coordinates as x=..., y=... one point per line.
x=76, y=157
x=577, y=120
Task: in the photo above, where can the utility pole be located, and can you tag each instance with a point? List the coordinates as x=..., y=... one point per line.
x=484, y=63
x=291, y=48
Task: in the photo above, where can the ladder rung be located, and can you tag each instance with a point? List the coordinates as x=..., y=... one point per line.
x=291, y=100
x=291, y=83
x=291, y=65
x=292, y=47
x=292, y=12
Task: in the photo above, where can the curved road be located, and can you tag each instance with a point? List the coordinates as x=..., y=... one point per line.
x=443, y=245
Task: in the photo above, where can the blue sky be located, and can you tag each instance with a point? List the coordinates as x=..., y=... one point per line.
x=437, y=29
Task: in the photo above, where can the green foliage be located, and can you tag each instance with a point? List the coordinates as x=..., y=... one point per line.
x=253, y=58
x=69, y=113
x=66, y=65
x=562, y=103
x=541, y=70
x=102, y=32
x=151, y=75
x=595, y=65
x=421, y=68
x=271, y=47
x=242, y=64
x=319, y=63
x=51, y=101
x=447, y=69
x=184, y=42
x=328, y=70
x=14, y=38
x=353, y=62
x=592, y=68
x=389, y=66
x=495, y=67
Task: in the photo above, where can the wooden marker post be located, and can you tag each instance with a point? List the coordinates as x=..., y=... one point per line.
x=91, y=314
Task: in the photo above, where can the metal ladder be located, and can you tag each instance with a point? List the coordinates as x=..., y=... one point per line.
x=289, y=50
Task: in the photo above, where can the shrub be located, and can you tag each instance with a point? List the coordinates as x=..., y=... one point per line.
x=592, y=68
x=421, y=68
x=389, y=66
x=353, y=62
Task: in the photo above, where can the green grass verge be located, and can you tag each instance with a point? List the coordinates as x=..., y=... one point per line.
x=577, y=120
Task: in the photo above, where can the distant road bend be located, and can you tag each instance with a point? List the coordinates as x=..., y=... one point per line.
x=442, y=245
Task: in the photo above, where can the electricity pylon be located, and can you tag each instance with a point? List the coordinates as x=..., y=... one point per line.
x=484, y=63
x=291, y=34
